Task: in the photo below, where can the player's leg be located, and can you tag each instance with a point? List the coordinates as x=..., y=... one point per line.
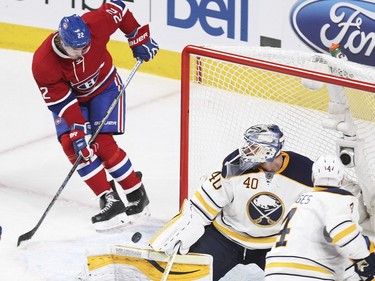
x=92, y=173
x=119, y=166
x=256, y=256
x=225, y=253
x=115, y=159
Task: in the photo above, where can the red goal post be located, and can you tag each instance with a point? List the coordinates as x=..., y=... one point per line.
x=226, y=89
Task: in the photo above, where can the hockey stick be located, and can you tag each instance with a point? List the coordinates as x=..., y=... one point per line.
x=30, y=234
x=170, y=262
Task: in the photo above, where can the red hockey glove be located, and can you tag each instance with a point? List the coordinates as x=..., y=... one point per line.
x=80, y=135
x=143, y=46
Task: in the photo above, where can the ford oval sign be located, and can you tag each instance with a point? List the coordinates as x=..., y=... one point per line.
x=350, y=23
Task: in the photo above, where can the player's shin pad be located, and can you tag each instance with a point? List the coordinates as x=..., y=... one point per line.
x=127, y=263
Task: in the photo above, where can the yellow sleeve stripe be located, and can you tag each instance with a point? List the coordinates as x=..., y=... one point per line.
x=297, y=266
x=344, y=233
x=211, y=210
x=371, y=247
x=240, y=237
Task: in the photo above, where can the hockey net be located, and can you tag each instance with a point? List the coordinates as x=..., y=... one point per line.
x=225, y=90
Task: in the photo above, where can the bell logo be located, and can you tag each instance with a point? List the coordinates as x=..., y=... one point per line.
x=216, y=17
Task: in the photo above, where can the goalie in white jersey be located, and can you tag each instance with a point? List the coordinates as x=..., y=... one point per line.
x=237, y=213
x=320, y=237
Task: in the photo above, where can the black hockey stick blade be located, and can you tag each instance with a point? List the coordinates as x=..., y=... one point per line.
x=26, y=236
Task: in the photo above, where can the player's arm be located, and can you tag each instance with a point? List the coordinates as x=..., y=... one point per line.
x=63, y=102
x=55, y=92
x=115, y=15
x=366, y=267
x=343, y=228
x=196, y=213
x=213, y=194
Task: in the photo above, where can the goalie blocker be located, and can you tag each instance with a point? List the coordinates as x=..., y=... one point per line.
x=117, y=262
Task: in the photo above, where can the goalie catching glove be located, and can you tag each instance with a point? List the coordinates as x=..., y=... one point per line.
x=80, y=135
x=187, y=227
x=366, y=267
x=142, y=45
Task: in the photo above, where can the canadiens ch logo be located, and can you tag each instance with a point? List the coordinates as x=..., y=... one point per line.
x=58, y=121
x=265, y=209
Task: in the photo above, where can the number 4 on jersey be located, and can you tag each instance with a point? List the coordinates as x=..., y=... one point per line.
x=285, y=230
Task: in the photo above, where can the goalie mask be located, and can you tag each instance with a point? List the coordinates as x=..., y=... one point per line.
x=263, y=143
x=75, y=36
x=328, y=171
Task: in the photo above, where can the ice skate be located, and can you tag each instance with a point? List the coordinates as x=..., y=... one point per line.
x=113, y=211
x=137, y=207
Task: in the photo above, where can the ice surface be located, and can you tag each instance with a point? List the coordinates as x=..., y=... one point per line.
x=33, y=166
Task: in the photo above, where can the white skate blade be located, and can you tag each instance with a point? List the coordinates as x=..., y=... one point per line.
x=140, y=216
x=114, y=222
x=121, y=220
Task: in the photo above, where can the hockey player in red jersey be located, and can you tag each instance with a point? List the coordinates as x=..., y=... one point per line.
x=78, y=81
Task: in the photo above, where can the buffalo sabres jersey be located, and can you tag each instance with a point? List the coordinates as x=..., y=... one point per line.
x=63, y=81
x=318, y=236
x=248, y=207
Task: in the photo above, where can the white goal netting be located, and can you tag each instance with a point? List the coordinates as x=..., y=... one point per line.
x=223, y=94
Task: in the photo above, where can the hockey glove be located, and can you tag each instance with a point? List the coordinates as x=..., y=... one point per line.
x=366, y=267
x=142, y=45
x=80, y=135
x=187, y=227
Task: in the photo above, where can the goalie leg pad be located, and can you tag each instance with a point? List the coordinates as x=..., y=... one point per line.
x=127, y=263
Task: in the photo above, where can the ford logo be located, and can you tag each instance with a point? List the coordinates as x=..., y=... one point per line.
x=349, y=23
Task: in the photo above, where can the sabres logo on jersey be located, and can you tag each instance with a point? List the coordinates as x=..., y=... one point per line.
x=265, y=209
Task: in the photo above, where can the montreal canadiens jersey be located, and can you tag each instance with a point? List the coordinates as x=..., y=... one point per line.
x=318, y=236
x=249, y=207
x=63, y=82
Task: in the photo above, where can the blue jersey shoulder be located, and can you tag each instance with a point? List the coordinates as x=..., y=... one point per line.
x=334, y=190
x=297, y=167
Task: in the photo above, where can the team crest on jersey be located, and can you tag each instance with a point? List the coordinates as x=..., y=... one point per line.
x=89, y=82
x=265, y=209
x=58, y=120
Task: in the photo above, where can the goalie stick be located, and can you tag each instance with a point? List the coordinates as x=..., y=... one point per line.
x=170, y=262
x=30, y=234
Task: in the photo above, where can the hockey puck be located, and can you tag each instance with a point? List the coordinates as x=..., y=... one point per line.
x=136, y=237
